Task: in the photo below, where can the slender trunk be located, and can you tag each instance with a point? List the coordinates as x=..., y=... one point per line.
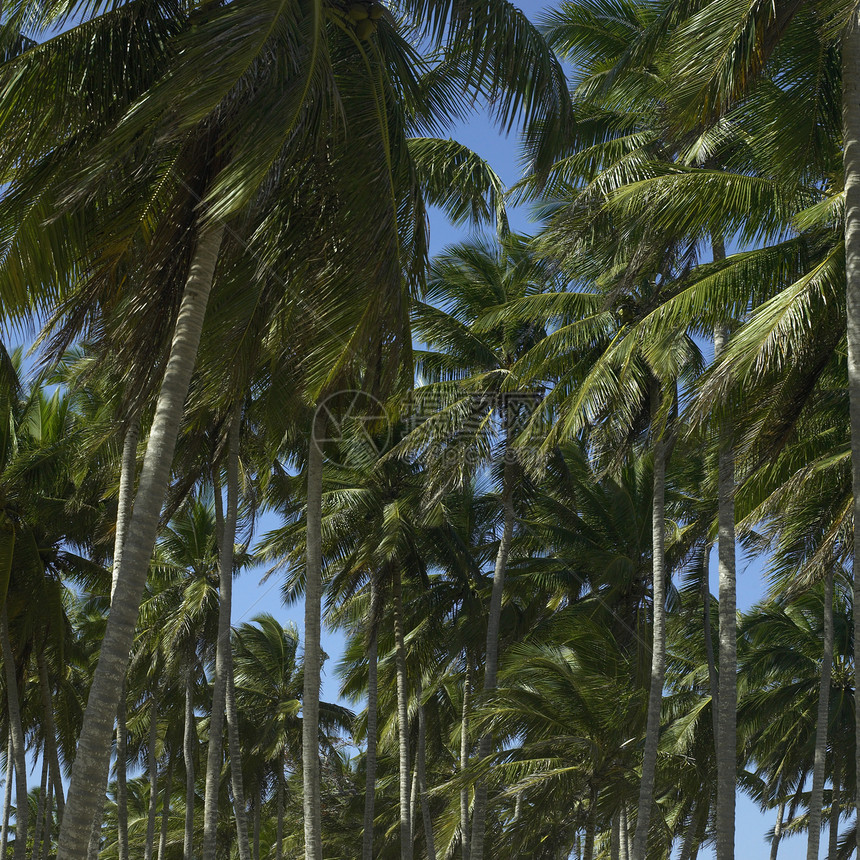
x=149, y=846
x=311, y=800
x=40, y=810
x=615, y=838
x=93, y=753
x=7, y=796
x=658, y=655
x=727, y=766
x=713, y=682
x=13, y=712
x=851, y=157
x=590, y=824
x=421, y=765
x=279, y=832
x=777, y=830
x=165, y=806
x=50, y=734
x=413, y=805
x=624, y=833
x=48, y=826
x=816, y=797
x=493, y=623
x=121, y=781
x=402, y=720
x=125, y=499
x=833, y=841
x=189, y=747
x=221, y=684
x=464, y=757
x=258, y=802
x=372, y=691
x=689, y=844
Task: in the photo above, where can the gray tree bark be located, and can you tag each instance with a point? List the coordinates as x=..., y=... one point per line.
x=121, y=774
x=93, y=753
x=421, y=764
x=494, y=618
x=372, y=691
x=189, y=747
x=311, y=800
x=50, y=734
x=851, y=160
x=833, y=839
x=149, y=846
x=7, y=795
x=40, y=810
x=777, y=830
x=464, y=757
x=48, y=828
x=279, y=825
x=165, y=806
x=658, y=655
x=13, y=712
x=819, y=774
x=402, y=720
x=727, y=736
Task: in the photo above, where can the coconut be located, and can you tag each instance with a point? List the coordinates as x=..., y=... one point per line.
x=364, y=29
x=358, y=12
x=376, y=12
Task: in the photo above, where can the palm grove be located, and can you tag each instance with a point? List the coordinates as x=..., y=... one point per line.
x=501, y=472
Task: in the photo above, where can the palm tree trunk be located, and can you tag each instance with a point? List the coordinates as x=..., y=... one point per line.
x=40, y=810
x=851, y=158
x=165, y=806
x=624, y=833
x=590, y=824
x=493, y=624
x=279, y=831
x=149, y=846
x=93, y=753
x=125, y=499
x=189, y=746
x=658, y=655
x=777, y=830
x=421, y=765
x=727, y=735
x=833, y=840
x=311, y=800
x=95, y=842
x=258, y=802
x=689, y=836
x=615, y=838
x=224, y=665
x=713, y=681
x=7, y=796
x=236, y=765
x=50, y=733
x=464, y=757
x=372, y=692
x=402, y=720
x=121, y=774
x=47, y=827
x=816, y=798
x=13, y=712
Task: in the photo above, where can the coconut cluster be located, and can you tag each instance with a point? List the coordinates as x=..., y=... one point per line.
x=365, y=16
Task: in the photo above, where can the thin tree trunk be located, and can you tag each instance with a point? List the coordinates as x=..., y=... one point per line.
x=221, y=684
x=279, y=831
x=125, y=499
x=713, y=681
x=372, y=691
x=13, y=712
x=689, y=836
x=165, y=806
x=464, y=757
x=658, y=655
x=402, y=720
x=121, y=774
x=50, y=734
x=311, y=800
x=816, y=797
x=93, y=753
x=413, y=805
x=40, y=810
x=7, y=796
x=727, y=766
x=149, y=846
x=624, y=833
x=494, y=618
x=189, y=746
x=615, y=838
x=777, y=830
x=421, y=765
x=851, y=158
x=48, y=827
x=258, y=802
x=590, y=825
x=833, y=841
